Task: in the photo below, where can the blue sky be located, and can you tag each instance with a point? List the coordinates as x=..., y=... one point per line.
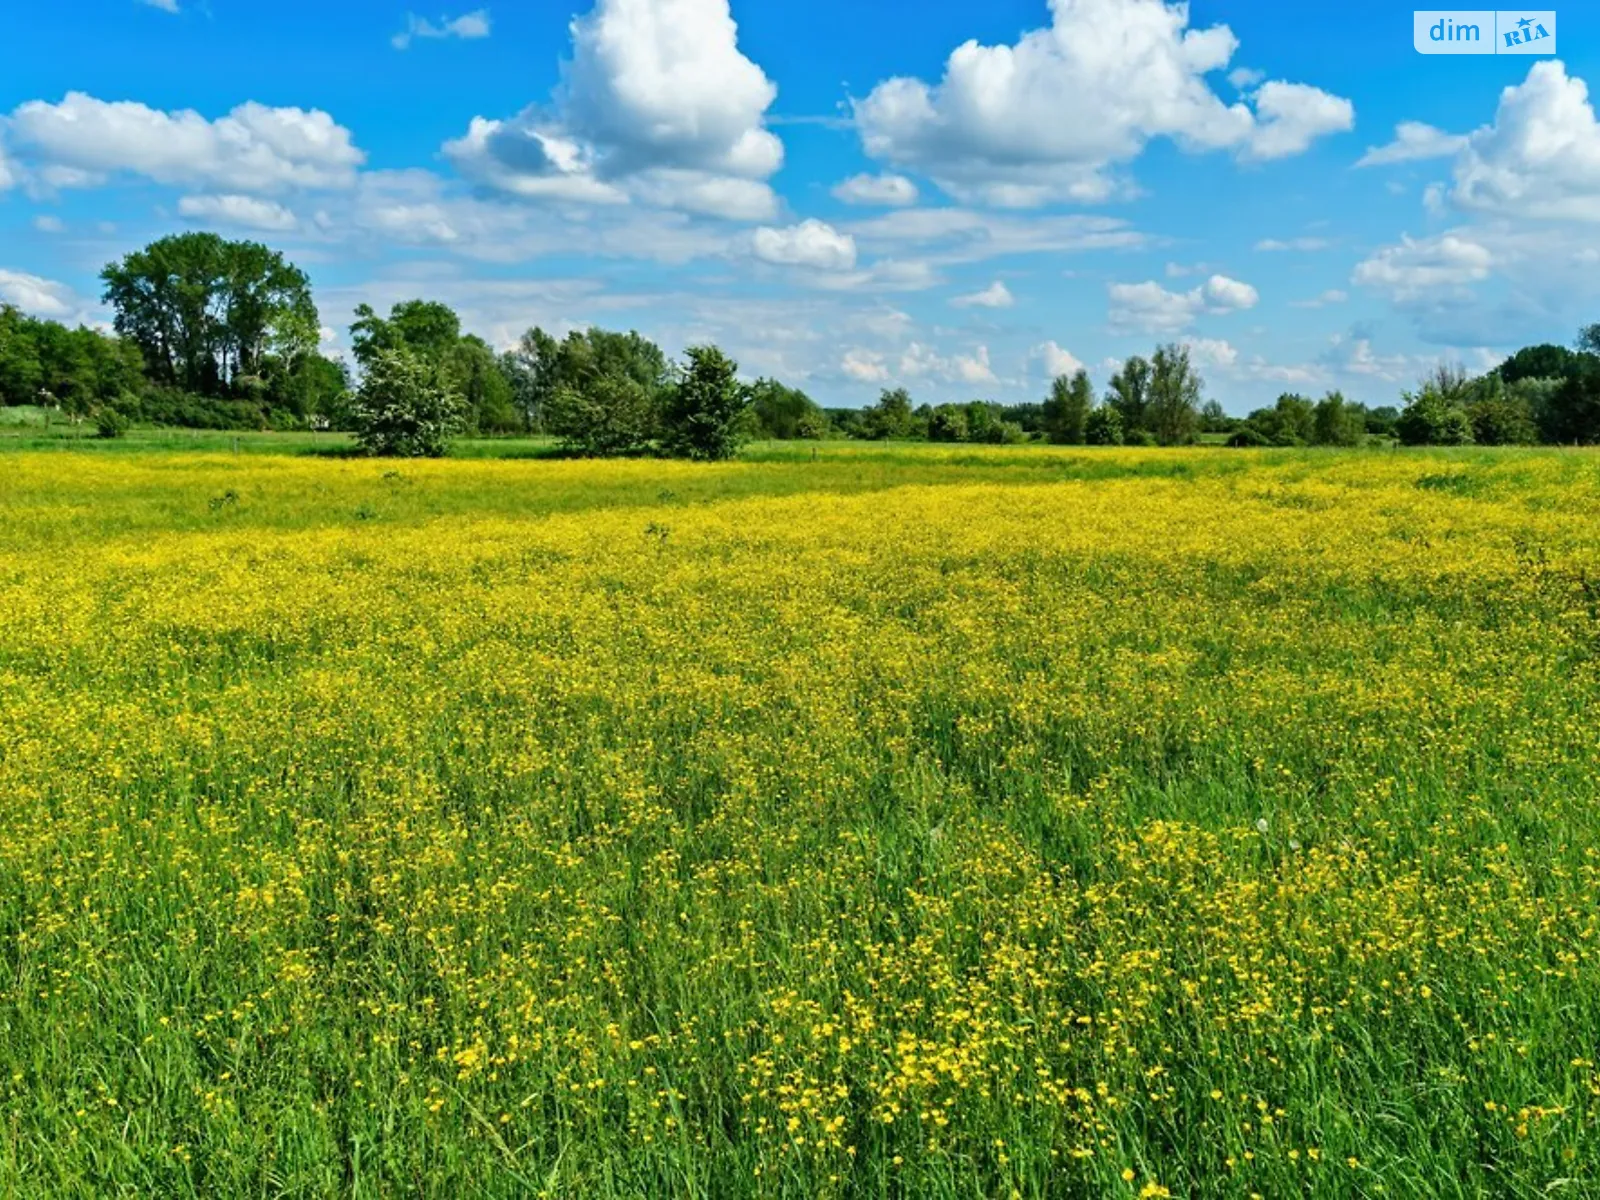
x=962, y=198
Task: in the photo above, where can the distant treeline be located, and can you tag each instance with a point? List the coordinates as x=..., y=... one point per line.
x=216, y=334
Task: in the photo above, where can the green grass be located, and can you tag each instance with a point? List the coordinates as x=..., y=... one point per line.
x=847, y=820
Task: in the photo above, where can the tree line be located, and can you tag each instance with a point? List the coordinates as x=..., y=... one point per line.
x=220, y=334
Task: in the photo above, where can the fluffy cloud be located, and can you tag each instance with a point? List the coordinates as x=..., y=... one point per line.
x=996, y=127
x=974, y=367
x=889, y=191
x=1211, y=352
x=1150, y=308
x=466, y=27
x=1290, y=116
x=38, y=297
x=1413, y=140
x=1057, y=361
x=996, y=295
x=83, y=141
x=921, y=361
x=1541, y=156
x=811, y=243
x=1415, y=269
x=657, y=102
x=864, y=366
x=248, y=212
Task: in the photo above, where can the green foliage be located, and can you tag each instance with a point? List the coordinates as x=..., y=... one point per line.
x=784, y=413
x=605, y=414
x=701, y=415
x=1066, y=412
x=1129, y=394
x=76, y=370
x=1436, y=414
x=1172, y=410
x=1248, y=436
x=948, y=423
x=109, y=423
x=205, y=312
x=1337, y=422
x=1291, y=421
x=891, y=417
x=404, y=409
x=1501, y=415
x=1104, y=426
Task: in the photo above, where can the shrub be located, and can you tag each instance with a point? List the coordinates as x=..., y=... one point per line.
x=1140, y=437
x=1248, y=436
x=701, y=416
x=109, y=423
x=606, y=414
x=1104, y=427
x=402, y=409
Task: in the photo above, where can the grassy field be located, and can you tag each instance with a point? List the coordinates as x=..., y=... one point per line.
x=895, y=822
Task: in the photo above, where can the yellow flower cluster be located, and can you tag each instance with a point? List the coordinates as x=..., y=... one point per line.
x=906, y=822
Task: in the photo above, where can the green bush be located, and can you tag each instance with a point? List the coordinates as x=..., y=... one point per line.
x=109, y=423
x=403, y=409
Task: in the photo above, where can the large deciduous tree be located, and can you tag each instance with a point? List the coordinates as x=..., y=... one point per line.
x=1172, y=411
x=1066, y=412
x=207, y=312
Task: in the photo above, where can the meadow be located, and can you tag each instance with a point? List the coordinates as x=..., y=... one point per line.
x=859, y=820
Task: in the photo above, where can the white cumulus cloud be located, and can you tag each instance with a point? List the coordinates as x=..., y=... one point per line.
x=1413, y=140
x=1541, y=156
x=657, y=102
x=864, y=365
x=1049, y=117
x=38, y=297
x=1150, y=308
x=1057, y=360
x=811, y=243
x=248, y=212
x=1416, y=268
x=83, y=141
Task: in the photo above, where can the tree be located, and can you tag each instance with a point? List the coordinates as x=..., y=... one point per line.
x=1337, y=422
x=1215, y=419
x=1129, y=393
x=428, y=330
x=1172, y=410
x=1501, y=415
x=1066, y=412
x=606, y=414
x=783, y=412
x=403, y=409
x=1434, y=415
x=948, y=423
x=205, y=312
x=701, y=415
x=891, y=417
x=1104, y=426
x=1540, y=362
x=1291, y=421
x=1571, y=412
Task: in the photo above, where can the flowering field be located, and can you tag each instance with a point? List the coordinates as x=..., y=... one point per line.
x=903, y=822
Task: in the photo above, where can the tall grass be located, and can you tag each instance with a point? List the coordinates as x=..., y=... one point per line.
x=905, y=822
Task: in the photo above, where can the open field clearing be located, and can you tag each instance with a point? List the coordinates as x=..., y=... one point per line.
x=907, y=822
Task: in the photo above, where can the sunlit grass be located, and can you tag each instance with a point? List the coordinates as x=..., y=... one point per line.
x=903, y=821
